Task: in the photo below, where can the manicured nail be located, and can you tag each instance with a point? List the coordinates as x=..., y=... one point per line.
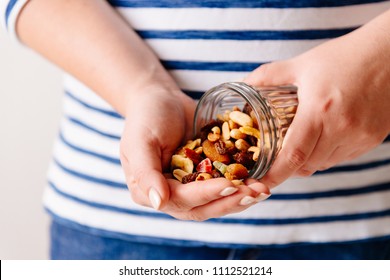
x=228, y=191
x=247, y=200
x=154, y=198
x=262, y=196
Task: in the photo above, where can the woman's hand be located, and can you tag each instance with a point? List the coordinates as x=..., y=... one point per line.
x=157, y=122
x=344, y=101
x=93, y=43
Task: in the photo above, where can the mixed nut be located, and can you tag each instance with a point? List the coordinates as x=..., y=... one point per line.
x=228, y=146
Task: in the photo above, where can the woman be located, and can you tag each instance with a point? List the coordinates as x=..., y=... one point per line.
x=128, y=65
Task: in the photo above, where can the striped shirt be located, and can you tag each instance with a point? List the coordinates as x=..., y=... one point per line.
x=203, y=43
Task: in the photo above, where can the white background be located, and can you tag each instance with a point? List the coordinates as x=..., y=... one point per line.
x=30, y=96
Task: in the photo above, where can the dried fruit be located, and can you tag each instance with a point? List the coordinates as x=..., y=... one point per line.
x=226, y=147
x=236, y=171
x=211, y=152
x=205, y=166
x=193, y=155
x=220, y=166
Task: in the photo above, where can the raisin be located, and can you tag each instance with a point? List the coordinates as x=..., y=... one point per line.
x=190, y=178
x=251, y=140
x=247, y=109
x=216, y=173
x=220, y=146
x=244, y=158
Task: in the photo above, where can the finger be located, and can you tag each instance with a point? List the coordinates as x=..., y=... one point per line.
x=341, y=154
x=138, y=196
x=298, y=145
x=238, y=202
x=271, y=74
x=261, y=190
x=145, y=169
x=187, y=196
x=319, y=157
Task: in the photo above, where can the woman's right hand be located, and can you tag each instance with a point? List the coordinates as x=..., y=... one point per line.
x=157, y=123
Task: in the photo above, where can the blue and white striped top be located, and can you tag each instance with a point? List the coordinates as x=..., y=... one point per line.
x=203, y=43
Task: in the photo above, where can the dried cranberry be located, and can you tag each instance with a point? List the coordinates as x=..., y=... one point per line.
x=192, y=155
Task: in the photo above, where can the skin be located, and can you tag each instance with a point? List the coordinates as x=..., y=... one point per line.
x=129, y=76
x=344, y=100
x=344, y=91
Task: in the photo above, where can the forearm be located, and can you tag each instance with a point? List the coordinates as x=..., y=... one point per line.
x=89, y=40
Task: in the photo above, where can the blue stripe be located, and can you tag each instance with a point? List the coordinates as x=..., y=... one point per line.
x=193, y=94
x=333, y=193
x=10, y=6
x=245, y=35
x=86, y=105
x=258, y=222
x=90, y=128
x=194, y=243
x=356, y=167
x=307, y=220
x=210, y=66
x=237, y=3
x=90, y=153
x=93, y=179
x=109, y=207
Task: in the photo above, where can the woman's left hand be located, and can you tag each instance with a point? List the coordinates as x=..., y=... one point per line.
x=344, y=100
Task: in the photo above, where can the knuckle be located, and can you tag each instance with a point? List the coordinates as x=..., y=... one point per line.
x=347, y=122
x=305, y=172
x=263, y=69
x=296, y=158
x=195, y=216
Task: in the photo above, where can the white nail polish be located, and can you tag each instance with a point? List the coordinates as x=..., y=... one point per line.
x=262, y=196
x=228, y=191
x=154, y=198
x=247, y=200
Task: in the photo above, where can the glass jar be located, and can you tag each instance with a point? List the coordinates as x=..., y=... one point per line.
x=271, y=108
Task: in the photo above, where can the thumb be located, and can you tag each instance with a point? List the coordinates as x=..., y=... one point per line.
x=271, y=74
x=143, y=168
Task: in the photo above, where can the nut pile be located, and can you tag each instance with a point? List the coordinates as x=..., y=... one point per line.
x=226, y=147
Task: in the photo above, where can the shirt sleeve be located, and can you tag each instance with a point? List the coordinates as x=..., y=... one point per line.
x=9, y=12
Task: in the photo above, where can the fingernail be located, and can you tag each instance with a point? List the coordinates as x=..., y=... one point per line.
x=262, y=196
x=228, y=191
x=247, y=200
x=154, y=198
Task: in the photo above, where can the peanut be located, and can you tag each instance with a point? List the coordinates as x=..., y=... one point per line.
x=241, y=118
x=256, y=152
x=237, y=134
x=179, y=174
x=242, y=145
x=225, y=131
x=203, y=176
x=250, y=131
